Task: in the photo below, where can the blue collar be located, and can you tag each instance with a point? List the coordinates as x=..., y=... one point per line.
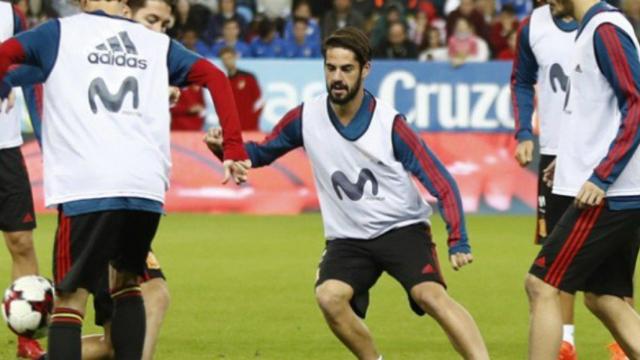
x=360, y=122
x=566, y=26
x=102, y=13
x=593, y=11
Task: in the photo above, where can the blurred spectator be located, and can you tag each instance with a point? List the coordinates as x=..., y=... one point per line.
x=467, y=11
x=300, y=46
x=488, y=9
x=320, y=8
x=39, y=11
x=230, y=37
x=431, y=7
x=419, y=25
x=465, y=46
x=397, y=45
x=217, y=22
x=393, y=12
x=364, y=7
x=433, y=48
x=506, y=23
x=180, y=19
x=188, y=112
x=246, y=91
x=303, y=10
x=509, y=53
x=522, y=8
x=268, y=44
x=631, y=9
x=340, y=16
x=274, y=9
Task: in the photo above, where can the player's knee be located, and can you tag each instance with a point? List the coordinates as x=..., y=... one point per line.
x=331, y=298
x=591, y=301
x=156, y=295
x=20, y=244
x=432, y=298
x=537, y=288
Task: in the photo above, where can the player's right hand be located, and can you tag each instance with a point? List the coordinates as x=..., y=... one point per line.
x=548, y=172
x=524, y=152
x=458, y=260
x=213, y=139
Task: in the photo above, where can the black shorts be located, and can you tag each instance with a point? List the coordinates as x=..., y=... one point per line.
x=86, y=244
x=406, y=253
x=551, y=207
x=102, y=303
x=16, y=201
x=592, y=250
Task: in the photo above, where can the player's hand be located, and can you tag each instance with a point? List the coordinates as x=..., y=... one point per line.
x=174, y=95
x=213, y=139
x=458, y=260
x=548, y=174
x=8, y=103
x=236, y=170
x=589, y=195
x=524, y=152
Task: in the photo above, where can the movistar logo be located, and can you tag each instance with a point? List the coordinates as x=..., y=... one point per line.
x=118, y=50
x=354, y=191
x=113, y=102
x=558, y=76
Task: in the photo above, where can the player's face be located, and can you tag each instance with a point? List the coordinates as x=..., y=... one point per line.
x=561, y=8
x=343, y=75
x=156, y=15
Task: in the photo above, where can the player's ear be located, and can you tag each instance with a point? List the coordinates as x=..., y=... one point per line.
x=366, y=69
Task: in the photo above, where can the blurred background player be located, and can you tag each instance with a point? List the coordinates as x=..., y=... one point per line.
x=353, y=139
x=246, y=90
x=17, y=217
x=543, y=54
x=594, y=246
x=93, y=230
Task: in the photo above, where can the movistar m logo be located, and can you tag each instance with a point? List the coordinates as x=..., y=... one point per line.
x=117, y=50
x=113, y=102
x=558, y=76
x=354, y=191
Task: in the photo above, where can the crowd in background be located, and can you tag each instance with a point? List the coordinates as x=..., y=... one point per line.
x=425, y=30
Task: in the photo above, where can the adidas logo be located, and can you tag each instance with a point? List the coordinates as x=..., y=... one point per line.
x=428, y=269
x=119, y=51
x=541, y=262
x=27, y=218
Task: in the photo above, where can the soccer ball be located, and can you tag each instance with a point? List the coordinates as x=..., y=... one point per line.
x=27, y=304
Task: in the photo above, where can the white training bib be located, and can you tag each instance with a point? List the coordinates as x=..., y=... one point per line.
x=552, y=48
x=592, y=118
x=106, y=114
x=363, y=190
x=10, y=135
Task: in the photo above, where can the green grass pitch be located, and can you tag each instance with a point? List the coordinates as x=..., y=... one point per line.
x=242, y=288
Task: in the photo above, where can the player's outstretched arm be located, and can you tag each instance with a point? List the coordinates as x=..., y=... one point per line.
x=523, y=80
x=416, y=158
x=286, y=136
x=617, y=57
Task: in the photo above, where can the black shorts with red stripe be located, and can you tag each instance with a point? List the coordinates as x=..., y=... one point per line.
x=86, y=244
x=407, y=254
x=591, y=250
x=16, y=201
x=551, y=207
x=102, y=302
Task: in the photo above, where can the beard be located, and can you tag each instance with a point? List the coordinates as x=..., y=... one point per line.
x=565, y=10
x=351, y=92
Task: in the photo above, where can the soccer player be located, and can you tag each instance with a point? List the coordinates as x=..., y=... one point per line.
x=17, y=217
x=594, y=246
x=362, y=151
x=544, y=45
x=106, y=155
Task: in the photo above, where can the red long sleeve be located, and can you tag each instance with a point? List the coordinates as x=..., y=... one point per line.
x=206, y=74
x=11, y=52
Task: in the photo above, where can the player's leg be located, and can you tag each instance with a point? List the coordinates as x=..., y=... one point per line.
x=128, y=324
x=155, y=293
x=98, y=346
x=580, y=243
x=23, y=254
x=409, y=255
x=620, y=319
x=81, y=253
x=345, y=275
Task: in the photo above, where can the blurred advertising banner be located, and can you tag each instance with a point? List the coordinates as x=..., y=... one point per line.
x=435, y=97
x=488, y=177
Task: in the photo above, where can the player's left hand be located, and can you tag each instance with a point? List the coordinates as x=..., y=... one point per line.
x=174, y=95
x=589, y=195
x=458, y=260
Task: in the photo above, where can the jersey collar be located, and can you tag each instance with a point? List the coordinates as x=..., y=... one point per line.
x=361, y=121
